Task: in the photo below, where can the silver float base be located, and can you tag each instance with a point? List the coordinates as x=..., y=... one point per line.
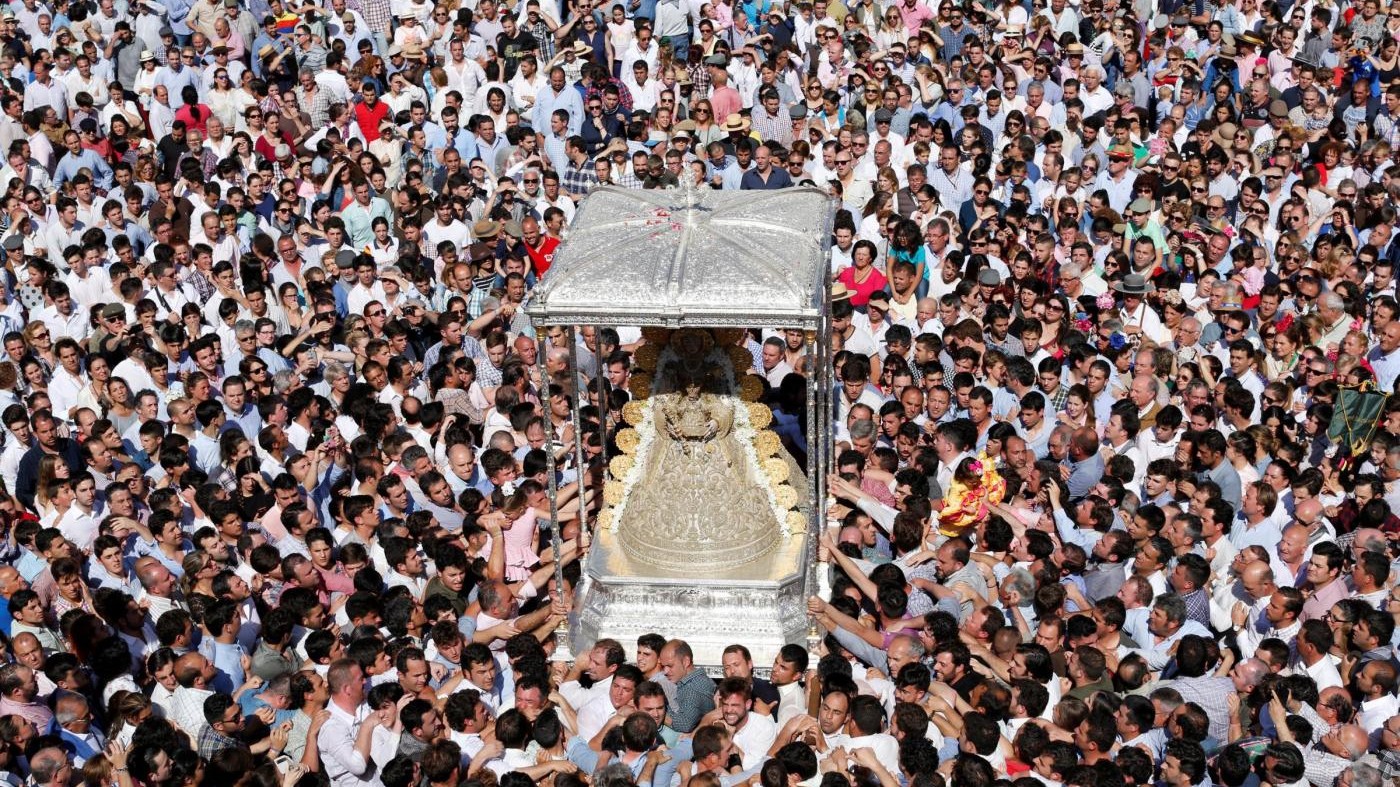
x=760, y=605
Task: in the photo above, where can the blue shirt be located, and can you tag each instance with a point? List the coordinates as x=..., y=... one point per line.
x=175, y=81
x=30, y=565
x=228, y=660
x=70, y=164
x=465, y=143
x=1084, y=475
x=546, y=101
x=777, y=179
x=177, y=11
x=1228, y=479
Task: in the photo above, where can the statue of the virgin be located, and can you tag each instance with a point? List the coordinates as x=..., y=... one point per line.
x=698, y=504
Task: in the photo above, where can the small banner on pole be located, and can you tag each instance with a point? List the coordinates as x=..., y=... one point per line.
x=1356, y=418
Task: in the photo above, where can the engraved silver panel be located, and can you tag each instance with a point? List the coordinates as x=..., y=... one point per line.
x=756, y=259
x=760, y=605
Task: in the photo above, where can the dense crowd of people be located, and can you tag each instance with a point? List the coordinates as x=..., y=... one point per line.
x=1108, y=280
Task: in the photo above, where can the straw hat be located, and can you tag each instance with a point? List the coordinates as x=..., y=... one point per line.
x=1252, y=38
x=1224, y=135
x=839, y=292
x=736, y=122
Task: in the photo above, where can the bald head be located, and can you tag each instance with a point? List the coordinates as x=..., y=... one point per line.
x=1258, y=571
x=28, y=650
x=1144, y=390
x=460, y=452
x=156, y=579
x=1258, y=579
x=1308, y=513
x=1349, y=741
x=191, y=669
x=1248, y=674
x=11, y=581
x=1293, y=544
x=1369, y=539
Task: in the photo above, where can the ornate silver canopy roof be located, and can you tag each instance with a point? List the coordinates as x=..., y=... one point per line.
x=679, y=257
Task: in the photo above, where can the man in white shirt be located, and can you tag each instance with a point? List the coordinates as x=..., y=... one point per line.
x=594, y=716
x=775, y=365
x=61, y=316
x=345, y=739
x=753, y=734
x=368, y=289
x=1376, y=682
x=68, y=379
x=601, y=664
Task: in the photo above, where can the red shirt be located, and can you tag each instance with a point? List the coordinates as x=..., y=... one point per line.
x=187, y=114
x=542, y=257
x=369, y=118
x=268, y=150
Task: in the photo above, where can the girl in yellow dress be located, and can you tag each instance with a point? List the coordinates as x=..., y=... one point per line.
x=976, y=485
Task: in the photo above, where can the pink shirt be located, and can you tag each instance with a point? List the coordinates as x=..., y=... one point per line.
x=37, y=713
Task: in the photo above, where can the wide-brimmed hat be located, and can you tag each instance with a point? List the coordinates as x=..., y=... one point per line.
x=486, y=228
x=1250, y=37
x=414, y=51
x=479, y=252
x=736, y=122
x=1134, y=284
x=1224, y=134
x=147, y=55
x=581, y=49
x=839, y=292
x=1121, y=152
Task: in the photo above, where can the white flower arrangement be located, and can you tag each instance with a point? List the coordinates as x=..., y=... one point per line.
x=646, y=431
x=744, y=433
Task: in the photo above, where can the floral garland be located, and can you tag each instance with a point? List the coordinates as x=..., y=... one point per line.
x=626, y=467
x=747, y=436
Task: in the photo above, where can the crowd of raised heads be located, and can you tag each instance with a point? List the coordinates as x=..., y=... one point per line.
x=1113, y=500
